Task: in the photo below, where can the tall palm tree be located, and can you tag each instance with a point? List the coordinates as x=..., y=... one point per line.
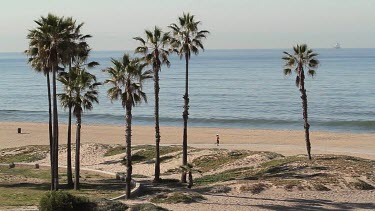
x=52, y=34
x=77, y=52
x=186, y=39
x=38, y=61
x=66, y=101
x=155, y=53
x=81, y=95
x=302, y=58
x=126, y=78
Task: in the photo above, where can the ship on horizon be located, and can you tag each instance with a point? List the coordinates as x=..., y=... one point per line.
x=337, y=46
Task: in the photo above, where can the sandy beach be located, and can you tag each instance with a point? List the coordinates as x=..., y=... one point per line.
x=284, y=142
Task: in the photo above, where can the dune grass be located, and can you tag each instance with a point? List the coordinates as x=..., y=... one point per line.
x=25, y=186
x=178, y=197
x=24, y=154
x=147, y=153
x=115, y=151
x=213, y=161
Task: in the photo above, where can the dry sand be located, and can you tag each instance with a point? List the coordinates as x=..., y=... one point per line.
x=282, y=141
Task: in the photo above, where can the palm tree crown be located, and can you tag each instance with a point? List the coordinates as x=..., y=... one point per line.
x=52, y=34
x=153, y=47
x=186, y=37
x=302, y=58
x=80, y=90
x=126, y=77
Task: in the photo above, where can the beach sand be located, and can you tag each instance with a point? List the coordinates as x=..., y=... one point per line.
x=286, y=142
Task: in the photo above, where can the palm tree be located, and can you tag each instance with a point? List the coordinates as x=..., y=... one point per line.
x=186, y=39
x=301, y=59
x=126, y=79
x=155, y=54
x=52, y=35
x=76, y=53
x=37, y=60
x=67, y=102
x=81, y=94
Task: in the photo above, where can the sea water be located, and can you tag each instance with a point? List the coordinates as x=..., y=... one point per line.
x=227, y=88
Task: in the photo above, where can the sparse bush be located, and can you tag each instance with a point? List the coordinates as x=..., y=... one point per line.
x=289, y=187
x=254, y=188
x=115, y=151
x=104, y=205
x=361, y=185
x=320, y=187
x=220, y=189
x=178, y=197
x=61, y=201
x=147, y=207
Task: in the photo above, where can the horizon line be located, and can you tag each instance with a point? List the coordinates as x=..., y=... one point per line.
x=209, y=49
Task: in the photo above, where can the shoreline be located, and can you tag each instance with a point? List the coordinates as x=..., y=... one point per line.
x=286, y=142
x=208, y=127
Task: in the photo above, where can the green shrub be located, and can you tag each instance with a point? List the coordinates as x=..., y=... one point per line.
x=61, y=201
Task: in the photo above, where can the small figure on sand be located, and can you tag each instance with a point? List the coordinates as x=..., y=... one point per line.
x=217, y=139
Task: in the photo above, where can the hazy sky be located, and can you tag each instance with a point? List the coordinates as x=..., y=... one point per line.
x=232, y=23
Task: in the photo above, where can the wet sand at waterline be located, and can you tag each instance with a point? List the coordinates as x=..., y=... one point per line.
x=284, y=142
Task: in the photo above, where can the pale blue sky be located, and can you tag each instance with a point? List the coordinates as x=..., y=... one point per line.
x=233, y=23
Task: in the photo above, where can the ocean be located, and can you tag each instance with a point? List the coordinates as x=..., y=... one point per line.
x=228, y=89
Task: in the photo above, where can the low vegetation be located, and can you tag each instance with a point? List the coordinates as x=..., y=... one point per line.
x=115, y=151
x=61, y=201
x=254, y=188
x=214, y=161
x=360, y=185
x=178, y=197
x=25, y=186
x=146, y=207
x=147, y=153
x=24, y=154
x=294, y=172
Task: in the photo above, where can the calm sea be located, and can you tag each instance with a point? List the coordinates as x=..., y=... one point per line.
x=228, y=88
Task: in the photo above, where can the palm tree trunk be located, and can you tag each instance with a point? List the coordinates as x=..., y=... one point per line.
x=304, y=107
x=190, y=179
x=128, y=134
x=69, y=149
x=78, y=146
x=185, y=115
x=69, y=143
x=50, y=128
x=55, y=131
x=157, y=129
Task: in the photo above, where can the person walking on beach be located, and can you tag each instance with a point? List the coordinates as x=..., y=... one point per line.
x=217, y=139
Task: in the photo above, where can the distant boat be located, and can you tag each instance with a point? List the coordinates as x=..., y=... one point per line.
x=337, y=46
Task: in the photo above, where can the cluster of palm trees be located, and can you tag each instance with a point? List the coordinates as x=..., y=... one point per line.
x=57, y=44
x=127, y=76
